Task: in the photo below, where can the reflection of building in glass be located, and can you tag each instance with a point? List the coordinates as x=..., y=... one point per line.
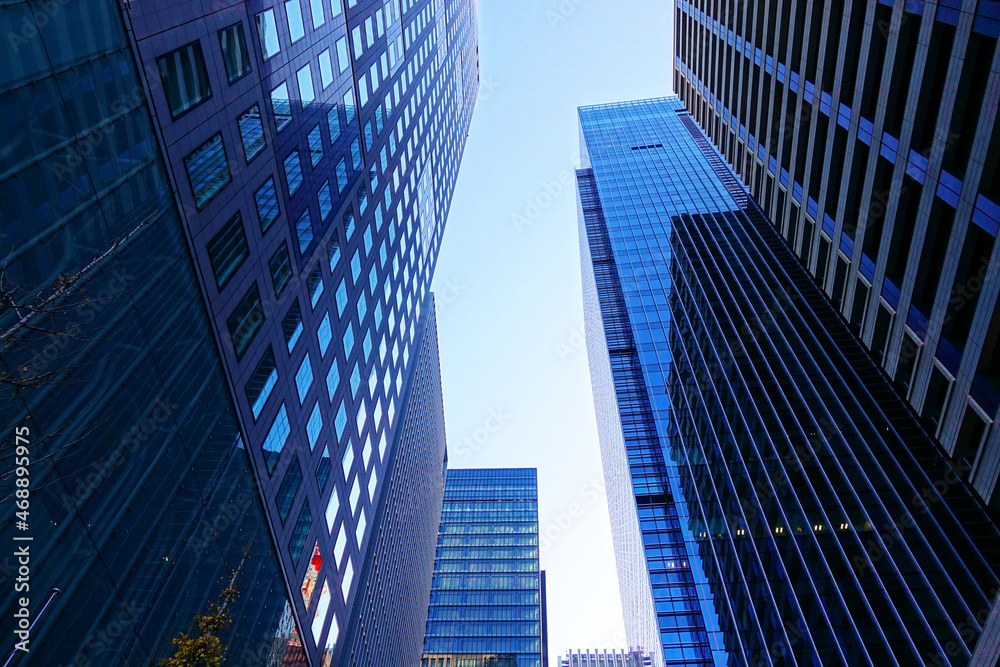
x=605, y=658
x=220, y=223
x=488, y=594
x=773, y=499
x=869, y=133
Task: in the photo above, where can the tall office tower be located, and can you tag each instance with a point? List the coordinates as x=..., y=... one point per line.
x=869, y=133
x=221, y=222
x=487, y=604
x=768, y=488
x=605, y=658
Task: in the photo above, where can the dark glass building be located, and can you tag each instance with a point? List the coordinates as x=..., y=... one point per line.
x=868, y=133
x=487, y=605
x=220, y=222
x=774, y=501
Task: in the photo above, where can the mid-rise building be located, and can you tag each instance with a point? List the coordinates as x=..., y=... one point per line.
x=487, y=605
x=774, y=501
x=605, y=658
x=220, y=223
x=868, y=132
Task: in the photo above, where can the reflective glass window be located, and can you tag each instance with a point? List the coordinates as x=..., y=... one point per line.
x=184, y=77
x=235, y=55
x=252, y=132
x=280, y=265
x=267, y=31
x=246, y=320
x=208, y=170
x=227, y=250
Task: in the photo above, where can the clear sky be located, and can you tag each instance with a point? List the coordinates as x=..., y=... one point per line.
x=510, y=315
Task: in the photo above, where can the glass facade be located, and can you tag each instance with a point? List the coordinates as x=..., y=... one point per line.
x=868, y=132
x=487, y=596
x=206, y=167
x=143, y=504
x=820, y=521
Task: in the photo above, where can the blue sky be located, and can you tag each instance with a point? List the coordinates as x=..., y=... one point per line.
x=510, y=317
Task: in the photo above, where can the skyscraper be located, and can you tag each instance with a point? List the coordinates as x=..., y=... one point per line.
x=487, y=605
x=868, y=132
x=223, y=221
x=773, y=500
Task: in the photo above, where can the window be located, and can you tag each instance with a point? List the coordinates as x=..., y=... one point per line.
x=185, y=80
x=356, y=154
x=333, y=250
x=227, y=250
x=315, y=139
x=293, y=10
x=264, y=377
x=340, y=423
x=356, y=266
x=246, y=320
x=362, y=306
x=324, y=334
x=289, y=487
x=208, y=170
x=293, y=172
x=318, y=12
x=304, y=230
x=325, y=68
x=315, y=285
x=349, y=107
x=234, y=52
x=252, y=132
x=267, y=30
x=314, y=426
x=300, y=532
x=348, y=340
x=332, y=379
x=341, y=176
x=341, y=297
x=355, y=382
x=349, y=221
x=281, y=269
x=304, y=378
x=304, y=77
x=323, y=469
x=291, y=326
x=325, y=199
x=276, y=438
x=332, y=507
x=342, y=59
x=281, y=106
x=267, y=204
x=333, y=122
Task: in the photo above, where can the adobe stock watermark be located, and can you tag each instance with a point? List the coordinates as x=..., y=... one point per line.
x=473, y=442
x=562, y=13
x=563, y=521
x=551, y=190
x=577, y=341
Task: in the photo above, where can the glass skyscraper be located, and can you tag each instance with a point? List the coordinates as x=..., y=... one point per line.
x=220, y=222
x=868, y=131
x=773, y=499
x=487, y=606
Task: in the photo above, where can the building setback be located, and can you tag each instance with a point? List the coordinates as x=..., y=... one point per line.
x=868, y=132
x=236, y=211
x=802, y=514
x=487, y=605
